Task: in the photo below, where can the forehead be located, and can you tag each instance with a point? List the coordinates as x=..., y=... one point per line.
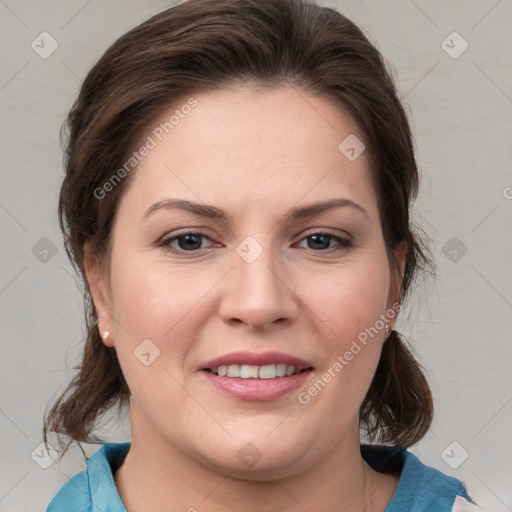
x=252, y=146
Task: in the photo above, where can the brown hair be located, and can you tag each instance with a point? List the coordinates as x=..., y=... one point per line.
x=204, y=45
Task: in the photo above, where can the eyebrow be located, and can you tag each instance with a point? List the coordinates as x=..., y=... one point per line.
x=296, y=213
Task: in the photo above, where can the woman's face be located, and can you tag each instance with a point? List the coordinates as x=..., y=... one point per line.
x=265, y=279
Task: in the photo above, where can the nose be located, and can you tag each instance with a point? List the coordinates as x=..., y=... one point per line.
x=259, y=294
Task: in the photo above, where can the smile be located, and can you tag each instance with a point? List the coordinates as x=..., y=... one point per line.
x=248, y=371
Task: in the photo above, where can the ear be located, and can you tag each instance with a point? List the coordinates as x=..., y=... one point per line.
x=98, y=286
x=399, y=253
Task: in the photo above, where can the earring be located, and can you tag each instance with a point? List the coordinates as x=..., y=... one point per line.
x=106, y=334
x=388, y=329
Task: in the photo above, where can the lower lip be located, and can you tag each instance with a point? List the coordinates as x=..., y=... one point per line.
x=257, y=390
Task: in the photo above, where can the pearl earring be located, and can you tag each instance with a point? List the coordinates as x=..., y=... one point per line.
x=388, y=329
x=106, y=334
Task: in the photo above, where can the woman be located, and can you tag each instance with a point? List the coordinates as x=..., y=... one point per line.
x=238, y=182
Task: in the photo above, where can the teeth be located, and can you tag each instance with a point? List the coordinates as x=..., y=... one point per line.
x=289, y=370
x=233, y=371
x=267, y=372
x=281, y=370
x=247, y=371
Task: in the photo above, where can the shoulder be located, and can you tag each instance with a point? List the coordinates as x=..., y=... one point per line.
x=421, y=488
x=93, y=485
x=74, y=493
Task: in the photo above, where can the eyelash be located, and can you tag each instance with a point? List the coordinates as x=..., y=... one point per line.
x=345, y=243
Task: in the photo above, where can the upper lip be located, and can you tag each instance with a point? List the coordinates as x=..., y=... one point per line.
x=252, y=358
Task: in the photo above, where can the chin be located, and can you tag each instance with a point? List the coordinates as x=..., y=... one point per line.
x=256, y=467
x=258, y=455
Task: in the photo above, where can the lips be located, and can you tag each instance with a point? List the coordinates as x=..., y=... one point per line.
x=256, y=377
x=253, y=359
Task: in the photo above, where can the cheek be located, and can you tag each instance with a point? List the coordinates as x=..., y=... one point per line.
x=158, y=302
x=156, y=310
x=348, y=309
x=350, y=300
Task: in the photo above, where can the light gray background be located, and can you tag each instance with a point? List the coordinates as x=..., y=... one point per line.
x=460, y=325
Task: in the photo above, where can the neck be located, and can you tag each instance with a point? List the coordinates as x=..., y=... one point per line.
x=159, y=477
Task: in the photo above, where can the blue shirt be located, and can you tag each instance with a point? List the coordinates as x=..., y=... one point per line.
x=421, y=488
